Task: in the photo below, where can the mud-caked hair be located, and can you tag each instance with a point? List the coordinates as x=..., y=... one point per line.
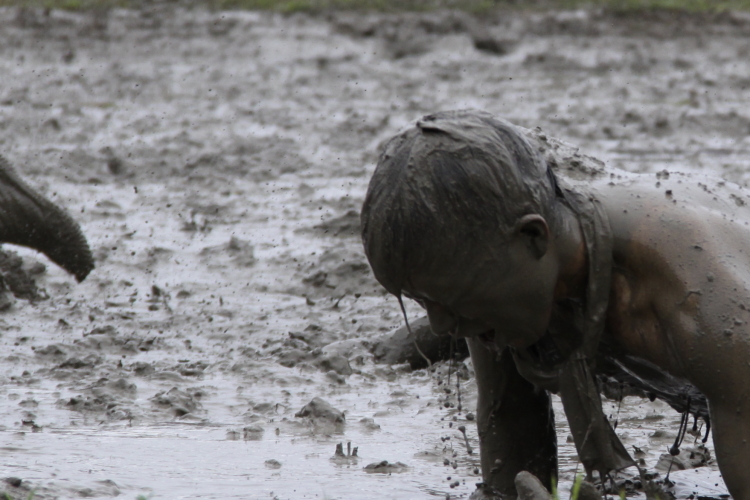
x=456, y=182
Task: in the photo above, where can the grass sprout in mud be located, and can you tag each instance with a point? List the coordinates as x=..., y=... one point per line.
x=217, y=162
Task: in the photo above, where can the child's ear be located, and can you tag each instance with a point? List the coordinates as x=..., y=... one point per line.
x=533, y=228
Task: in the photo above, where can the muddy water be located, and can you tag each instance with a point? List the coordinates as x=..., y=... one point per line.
x=214, y=161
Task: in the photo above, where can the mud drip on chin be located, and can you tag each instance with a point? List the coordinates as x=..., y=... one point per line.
x=411, y=334
x=452, y=367
x=487, y=339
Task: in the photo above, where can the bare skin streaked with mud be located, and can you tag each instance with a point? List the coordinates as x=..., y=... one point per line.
x=675, y=280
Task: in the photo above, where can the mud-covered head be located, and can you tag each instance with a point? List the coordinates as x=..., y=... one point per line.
x=449, y=191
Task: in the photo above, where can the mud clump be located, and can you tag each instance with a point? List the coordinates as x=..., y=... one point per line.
x=192, y=369
x=113, y=398
x=92, y=404
x=529, y=487
x=369, y=424
x=121, y=387
x=52, y=351
x=335, y=363
x=314, y=336
x=13, y=481
x=322, y=416
x=89, y=361
x=15, y=487
x=399, y=347
x=141, y=368
x=688, y=458
x=108, y=339
x=298, y=349
x=319, y=409
x=293, y=357
x=105, y=488
x=253, y=432
x=177, y=401
x=588, y=492
x=385, y=467
x=18, y=279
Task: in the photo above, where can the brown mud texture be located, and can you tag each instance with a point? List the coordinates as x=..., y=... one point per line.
x=217, y=161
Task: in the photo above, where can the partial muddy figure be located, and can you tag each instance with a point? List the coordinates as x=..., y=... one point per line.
x=28, y=219
x=555, y=268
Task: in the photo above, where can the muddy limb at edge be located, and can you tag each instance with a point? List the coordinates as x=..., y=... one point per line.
x=29, y=219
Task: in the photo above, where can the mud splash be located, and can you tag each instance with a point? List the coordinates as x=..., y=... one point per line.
x=217, y=161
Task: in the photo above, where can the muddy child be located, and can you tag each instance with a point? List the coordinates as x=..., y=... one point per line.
x=551, y=266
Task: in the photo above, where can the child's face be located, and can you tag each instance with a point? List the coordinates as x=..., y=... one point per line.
x=506, y=302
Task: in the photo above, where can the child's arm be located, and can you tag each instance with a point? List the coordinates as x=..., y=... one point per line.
x=515, y=422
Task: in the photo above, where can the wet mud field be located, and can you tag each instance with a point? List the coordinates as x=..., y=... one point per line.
x=217, y=162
